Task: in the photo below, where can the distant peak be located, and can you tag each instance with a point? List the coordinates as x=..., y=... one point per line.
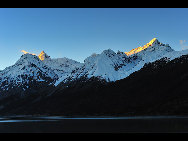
x=42, y=56
x=108, y=51
x=136, y=50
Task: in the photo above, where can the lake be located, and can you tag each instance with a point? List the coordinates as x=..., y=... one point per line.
x=57, y=124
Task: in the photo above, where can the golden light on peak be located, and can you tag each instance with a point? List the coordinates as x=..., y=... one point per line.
x=25, y=52
x=42, y=56
x=136, y=50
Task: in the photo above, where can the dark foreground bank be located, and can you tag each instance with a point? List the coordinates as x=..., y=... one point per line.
x=94, y=125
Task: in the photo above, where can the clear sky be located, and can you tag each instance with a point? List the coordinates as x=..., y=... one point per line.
x=77, y=33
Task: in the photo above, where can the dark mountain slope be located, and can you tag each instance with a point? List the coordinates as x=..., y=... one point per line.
x=159, y=88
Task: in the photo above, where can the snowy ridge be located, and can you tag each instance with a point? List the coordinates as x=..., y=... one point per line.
x=108, y=65
x=113, y=66
x=62, y=66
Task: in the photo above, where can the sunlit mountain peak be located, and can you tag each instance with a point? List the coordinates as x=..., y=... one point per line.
x=136, y=50
x=43, y=55
x=25, y=52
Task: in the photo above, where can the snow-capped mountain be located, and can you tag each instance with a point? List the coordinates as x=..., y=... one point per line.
x=113, y=66
x=28, y=69
x=32, y=68
x=108, y=65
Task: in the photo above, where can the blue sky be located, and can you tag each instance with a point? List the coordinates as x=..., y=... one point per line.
x=77, y=33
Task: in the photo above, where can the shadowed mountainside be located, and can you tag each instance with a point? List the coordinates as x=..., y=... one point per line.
x=159, y=88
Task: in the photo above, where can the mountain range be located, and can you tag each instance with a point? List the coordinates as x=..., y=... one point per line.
x=109, y=83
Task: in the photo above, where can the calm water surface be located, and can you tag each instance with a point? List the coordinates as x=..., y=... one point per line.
x=56, y=124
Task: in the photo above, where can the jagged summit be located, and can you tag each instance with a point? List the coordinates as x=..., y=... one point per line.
x=153, y=42
x=29, y=69
x=42, y=56
x=108, y=51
